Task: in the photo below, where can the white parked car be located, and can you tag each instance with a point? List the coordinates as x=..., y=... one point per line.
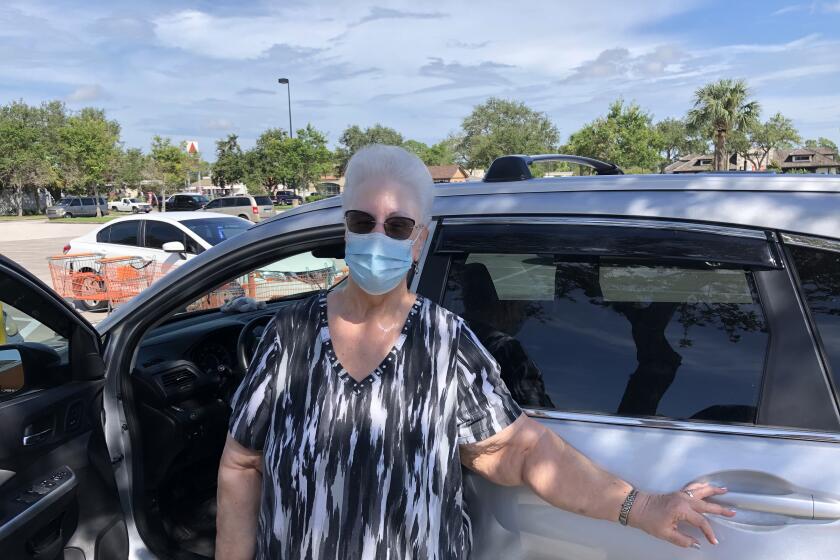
x=130, y=205
x=169, y=239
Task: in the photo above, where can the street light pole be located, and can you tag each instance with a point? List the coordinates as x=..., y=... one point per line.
x=289, y=96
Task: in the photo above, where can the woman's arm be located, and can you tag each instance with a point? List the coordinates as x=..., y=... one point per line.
x=526, y=452
x=240, y=479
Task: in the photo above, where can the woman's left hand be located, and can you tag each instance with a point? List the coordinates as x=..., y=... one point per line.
x=660, y=514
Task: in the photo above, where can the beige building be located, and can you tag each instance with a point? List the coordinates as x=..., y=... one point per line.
x=448, y=173
x=799, y=160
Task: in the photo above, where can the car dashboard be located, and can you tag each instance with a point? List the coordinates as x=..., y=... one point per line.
x=184, y=379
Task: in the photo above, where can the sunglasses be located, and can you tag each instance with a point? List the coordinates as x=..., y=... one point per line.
x=396, y=227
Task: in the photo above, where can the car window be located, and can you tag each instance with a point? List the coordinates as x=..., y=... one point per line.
x=228, y=202
x=158, y=233
x=819, y=276
x=200, y=200
x=214, y=203
x=243, y=201
x=102, y=201
x=124, y=233
x=294, y=275
x=103, y=235
x=263, y=200
x=88, y=202
x=76, y=202
x=216, y=230
x=611, y=336
x=16, y=327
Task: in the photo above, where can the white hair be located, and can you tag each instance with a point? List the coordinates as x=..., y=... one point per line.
x=394, y=164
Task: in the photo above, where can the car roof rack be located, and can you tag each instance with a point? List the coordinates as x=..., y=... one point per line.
x=516, y=167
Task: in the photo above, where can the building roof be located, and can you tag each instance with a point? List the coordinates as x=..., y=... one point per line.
x=446, y=171
x=693, y=163
x=820, y=157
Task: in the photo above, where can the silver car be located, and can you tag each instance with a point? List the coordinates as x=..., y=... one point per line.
x=672, y=328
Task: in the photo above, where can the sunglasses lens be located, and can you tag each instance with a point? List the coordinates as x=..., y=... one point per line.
x=399, y=228
x=359, y=222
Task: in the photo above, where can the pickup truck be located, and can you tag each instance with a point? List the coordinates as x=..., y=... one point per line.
x=130, y=205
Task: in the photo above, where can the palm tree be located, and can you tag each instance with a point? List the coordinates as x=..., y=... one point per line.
x=720, y=108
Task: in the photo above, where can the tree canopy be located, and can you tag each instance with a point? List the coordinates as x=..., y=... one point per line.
x=721, y=108
x=500, y=126
x=624, y=136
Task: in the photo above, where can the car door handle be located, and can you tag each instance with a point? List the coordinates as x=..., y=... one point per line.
x=801, y=506
x=33, y=439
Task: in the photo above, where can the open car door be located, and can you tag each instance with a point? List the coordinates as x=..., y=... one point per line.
x=58, y=498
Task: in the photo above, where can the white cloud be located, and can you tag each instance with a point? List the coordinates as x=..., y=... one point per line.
x=87, y=93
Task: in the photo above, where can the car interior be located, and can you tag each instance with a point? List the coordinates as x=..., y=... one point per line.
x=187, y=370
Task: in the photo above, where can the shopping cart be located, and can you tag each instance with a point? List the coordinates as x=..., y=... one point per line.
x=125, y=277
x=77, y=276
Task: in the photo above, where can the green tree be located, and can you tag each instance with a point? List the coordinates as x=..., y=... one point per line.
x=312, y=158
x=168, y=164
x=719, y=109
x=676, y=141
x=90, y=146
x=265, y=162
x=442, y=153
x=132, y=168
x=500, y=126
x=625, y=136
x=354, y=137
x=820, y=142
x=23, y=160
x=758, y=142
x=229, y=167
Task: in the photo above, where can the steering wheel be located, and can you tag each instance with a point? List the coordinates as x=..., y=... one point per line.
x=246, y=344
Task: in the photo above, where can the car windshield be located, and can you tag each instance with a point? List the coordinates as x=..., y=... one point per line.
x=263, y=200
x=216, y=230
x=132, y=200
x=201, y=199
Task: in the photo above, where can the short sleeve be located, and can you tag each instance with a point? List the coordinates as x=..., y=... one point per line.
x=252, y=402
x=485, y=406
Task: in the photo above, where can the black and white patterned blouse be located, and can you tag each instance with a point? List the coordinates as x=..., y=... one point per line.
x=371, y=469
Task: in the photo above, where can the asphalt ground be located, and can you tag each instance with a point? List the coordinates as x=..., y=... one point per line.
x=30, y=242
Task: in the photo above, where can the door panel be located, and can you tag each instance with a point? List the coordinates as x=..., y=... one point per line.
x=667, y=355
x=772, y=481
x=57, y=493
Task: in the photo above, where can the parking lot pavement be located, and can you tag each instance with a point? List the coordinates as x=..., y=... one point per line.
x=30, y=242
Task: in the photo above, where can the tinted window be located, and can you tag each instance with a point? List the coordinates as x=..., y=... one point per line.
x=819, y=275
x=263, y=200
x=158, y=233
x=228, y=202
x=216, y=230
x=88, y=202
x=214, y=204
x=200, y=200
x=76, y=202
x=609, y=336
x=103, y=235
x=242, y=201
x=124, y=233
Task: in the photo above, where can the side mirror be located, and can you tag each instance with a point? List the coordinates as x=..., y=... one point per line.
x=174, y=247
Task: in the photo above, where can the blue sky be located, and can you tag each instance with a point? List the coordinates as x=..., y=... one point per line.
x=201, y=69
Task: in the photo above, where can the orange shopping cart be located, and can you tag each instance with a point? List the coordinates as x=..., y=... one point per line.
x=77, y=276
x=125, y=277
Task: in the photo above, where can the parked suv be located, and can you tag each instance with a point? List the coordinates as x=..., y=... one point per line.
x=286, y=198
x=77, y=206
x=672, y=328
x=254, y=208
x=185, y=202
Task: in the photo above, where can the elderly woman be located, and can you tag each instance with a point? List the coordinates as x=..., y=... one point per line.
x=348, y=433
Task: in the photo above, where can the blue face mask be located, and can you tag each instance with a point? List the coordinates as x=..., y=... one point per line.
x=377, y=262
